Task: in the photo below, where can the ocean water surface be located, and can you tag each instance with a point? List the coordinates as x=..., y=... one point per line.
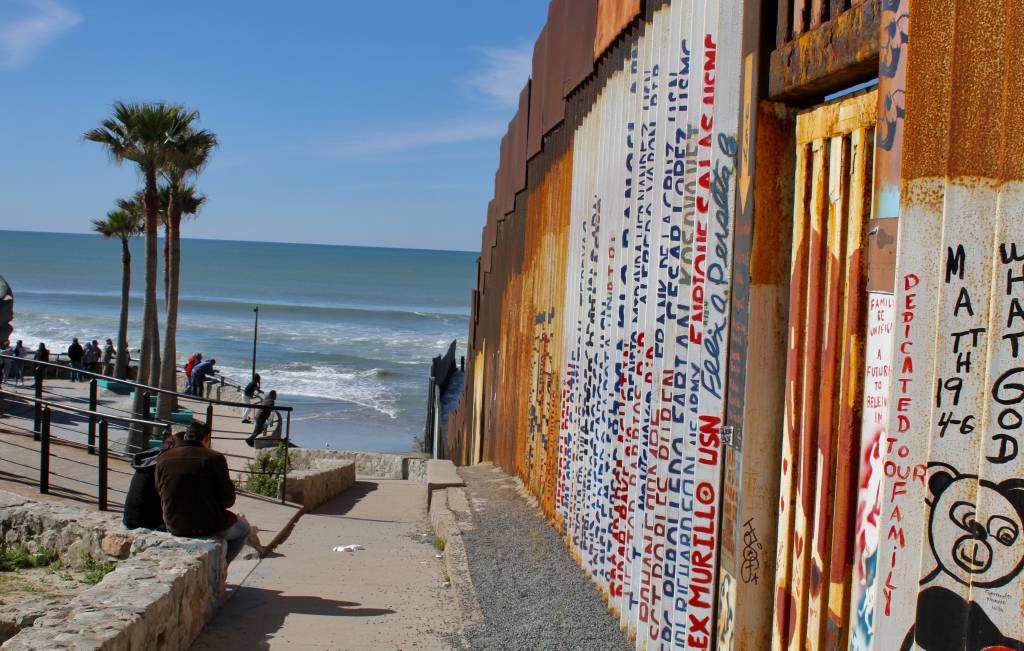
x=346, y=334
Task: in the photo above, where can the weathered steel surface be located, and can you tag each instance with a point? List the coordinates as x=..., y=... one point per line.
x=956, y=395
x=837, y=53
x=750, y=560
x=580, y=18
x=538, y=85
x=823, y=374
x=612, y=17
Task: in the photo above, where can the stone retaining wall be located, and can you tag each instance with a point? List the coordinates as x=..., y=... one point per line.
x=371, y=465
x=161, y=594
x=326, y=479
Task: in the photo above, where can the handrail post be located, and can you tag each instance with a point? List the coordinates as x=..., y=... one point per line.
x=92, y=419
x=38, y=420
x=101, y=464
x=209, y=417
x=44, y=452
x=287, y=445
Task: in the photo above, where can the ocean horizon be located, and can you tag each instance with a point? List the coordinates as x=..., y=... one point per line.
x=346, y=333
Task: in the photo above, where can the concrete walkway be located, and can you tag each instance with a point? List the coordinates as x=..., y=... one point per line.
x=391, y=595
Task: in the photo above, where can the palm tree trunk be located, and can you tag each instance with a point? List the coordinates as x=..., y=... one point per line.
x=137, y=436
x=167, y=254
x=166, y=403
x=153, y=379
x=121, y=370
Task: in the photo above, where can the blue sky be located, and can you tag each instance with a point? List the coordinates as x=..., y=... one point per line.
x=340, y=122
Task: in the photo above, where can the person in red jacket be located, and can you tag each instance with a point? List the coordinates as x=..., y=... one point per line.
x=189, y=365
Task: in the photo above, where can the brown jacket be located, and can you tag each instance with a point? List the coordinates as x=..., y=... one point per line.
x=195, y=490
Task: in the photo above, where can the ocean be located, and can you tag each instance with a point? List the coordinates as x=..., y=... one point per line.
x=346, y=334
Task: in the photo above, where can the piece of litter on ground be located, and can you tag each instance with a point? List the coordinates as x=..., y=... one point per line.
x=348, y=548
x=439, y=556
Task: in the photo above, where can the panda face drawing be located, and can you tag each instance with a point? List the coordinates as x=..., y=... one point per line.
x=981, y=547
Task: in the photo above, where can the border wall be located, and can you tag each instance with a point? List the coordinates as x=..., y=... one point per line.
x=753, y=350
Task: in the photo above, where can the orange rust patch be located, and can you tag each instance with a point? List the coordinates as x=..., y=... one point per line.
x=976, y=118
x=929, y=86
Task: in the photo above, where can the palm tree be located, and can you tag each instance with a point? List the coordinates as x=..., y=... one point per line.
x=122, y=225
x=182, y=201
x=143, y=134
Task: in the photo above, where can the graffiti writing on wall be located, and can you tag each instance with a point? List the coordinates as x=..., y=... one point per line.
x=873, y=436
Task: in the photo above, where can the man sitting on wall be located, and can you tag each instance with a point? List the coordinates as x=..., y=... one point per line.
x=196, y=491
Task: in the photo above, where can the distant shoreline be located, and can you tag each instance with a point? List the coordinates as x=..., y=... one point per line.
x=219, y=239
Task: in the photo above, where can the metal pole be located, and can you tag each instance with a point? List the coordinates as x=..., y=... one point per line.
x=92, y=419
x=209, y=417
x=44, y=453
x=287, y=444
x=38, y=408
x=255, y=334
x=101, y=483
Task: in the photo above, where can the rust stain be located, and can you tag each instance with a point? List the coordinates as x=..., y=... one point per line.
x=976, y=120
x=929, y=84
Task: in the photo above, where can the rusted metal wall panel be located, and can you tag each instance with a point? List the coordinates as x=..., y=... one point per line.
x=517, y=141
x=954, y=454
x=612, y=18
x=581, y=24
x=827, y=302
x=836, y=54
x=538, y=85
x=556, y=55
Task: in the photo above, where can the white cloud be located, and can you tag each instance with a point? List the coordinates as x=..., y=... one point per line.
x=504, y=73
x=422, y=137
x=22, y=38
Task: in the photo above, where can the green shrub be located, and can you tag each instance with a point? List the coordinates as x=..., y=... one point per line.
x=265, y=473
x=15, y=558
x=18, y=557
x=439, y=544
x=95, y=570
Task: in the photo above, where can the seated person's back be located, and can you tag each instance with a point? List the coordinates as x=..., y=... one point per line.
x=195, y=488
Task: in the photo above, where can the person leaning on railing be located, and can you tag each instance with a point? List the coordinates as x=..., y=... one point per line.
x=195, y=492
x=248, y=394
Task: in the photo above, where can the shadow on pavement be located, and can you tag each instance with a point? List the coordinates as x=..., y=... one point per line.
x=347, y=500
x=239, y=631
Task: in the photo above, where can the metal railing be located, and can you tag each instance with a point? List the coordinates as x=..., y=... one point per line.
x=99, y=420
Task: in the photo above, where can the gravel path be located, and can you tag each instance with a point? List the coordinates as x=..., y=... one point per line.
x=531, y=592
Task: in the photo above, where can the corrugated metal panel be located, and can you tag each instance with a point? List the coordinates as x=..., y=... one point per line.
x=957, y=402
x=823, y=372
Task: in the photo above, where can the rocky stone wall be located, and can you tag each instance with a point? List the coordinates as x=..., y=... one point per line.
x=315, y=485
x=371, y=465
x=161, y=594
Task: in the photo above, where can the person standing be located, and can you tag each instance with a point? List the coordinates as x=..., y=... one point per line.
x=266, y=409
x=92, y=356
x=189, y=365
x=108, y=356
x=42, y=355
x=196, y=491
x=5, y=349
x=75, y=355
x=248, y=394
x=18, y=366
x=200, y=373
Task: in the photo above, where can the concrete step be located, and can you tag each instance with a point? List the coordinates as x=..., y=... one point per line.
x=441, y=473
